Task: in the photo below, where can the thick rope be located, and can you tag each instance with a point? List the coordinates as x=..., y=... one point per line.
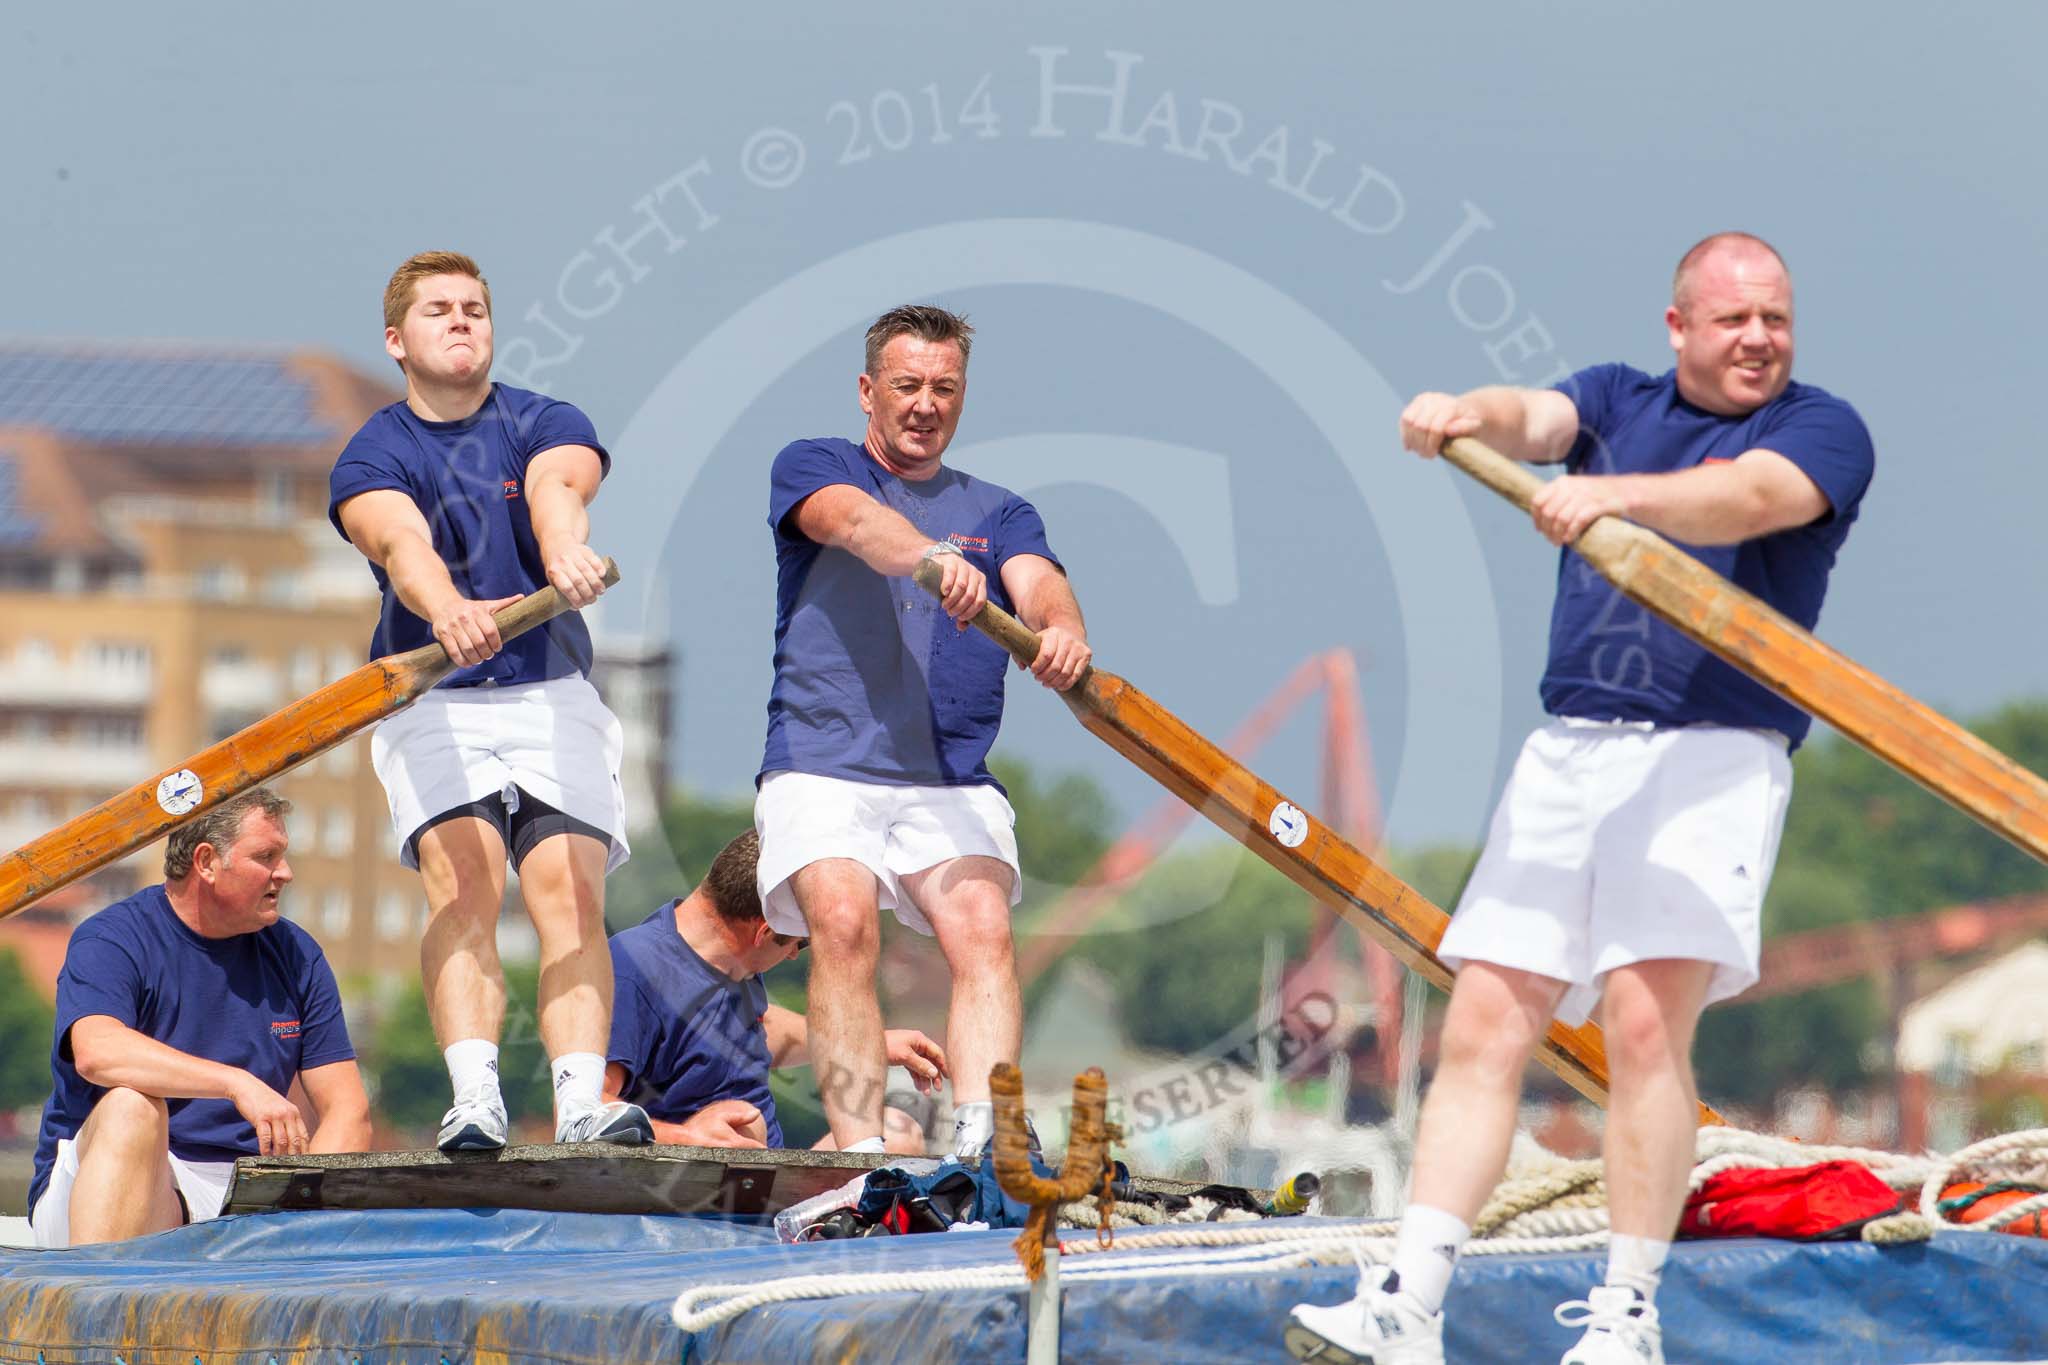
x=1724, y=1149
x=2021, y=1156
x=1202, y=1252
x=1084, y=1169
x=1552, y=1210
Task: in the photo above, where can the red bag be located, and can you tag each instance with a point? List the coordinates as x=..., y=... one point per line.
x=1828, y=1202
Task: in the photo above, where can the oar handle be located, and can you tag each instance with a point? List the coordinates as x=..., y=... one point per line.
x=538, y=608
x=1515, y=482
x=1005, y=629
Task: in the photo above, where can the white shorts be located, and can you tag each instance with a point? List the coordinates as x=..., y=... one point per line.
x=892, y=831
x=204, y=1185
x=1618, y=843
x=555, y=739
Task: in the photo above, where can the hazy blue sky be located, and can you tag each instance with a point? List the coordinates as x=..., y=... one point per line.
x=1191, y=351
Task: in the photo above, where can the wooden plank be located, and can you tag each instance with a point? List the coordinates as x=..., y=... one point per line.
x=1919, y=741
x=574, y=1178
x=276, y=744
x=1282, y=832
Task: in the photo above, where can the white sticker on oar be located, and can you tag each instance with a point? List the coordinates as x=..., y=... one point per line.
x=179, y=793
x=1289, y=824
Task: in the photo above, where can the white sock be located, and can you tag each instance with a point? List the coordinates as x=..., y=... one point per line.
x=579, y=1083
x=1426, y=1252
x=472, y=1066
x=1636, y=1262
x=873, y=1144
x=974, y=1123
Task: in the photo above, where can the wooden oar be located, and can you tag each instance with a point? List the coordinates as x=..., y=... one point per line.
x=1304, y=849
x=1908, y=734
x=283, y=740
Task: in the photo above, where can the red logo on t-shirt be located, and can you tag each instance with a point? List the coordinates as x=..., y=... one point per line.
x=979, y=543
x=284, y=1028
x=511, y=489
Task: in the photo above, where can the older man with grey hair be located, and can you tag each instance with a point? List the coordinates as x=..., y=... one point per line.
x=185, y=1016
x=874, y=790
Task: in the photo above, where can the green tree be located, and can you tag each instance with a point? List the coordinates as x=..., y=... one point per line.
x=409, y=1080
x=1438, y=871
x=26, y=1025
x=1185, y=946
x=1064, y=826
x=672, y=856
x=1862, y=842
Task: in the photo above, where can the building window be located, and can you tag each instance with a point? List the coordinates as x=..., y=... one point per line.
x=334, y=914
x=337, y=832
x=126, y=657
x=284, y=587
x=110, y=732
x=394, y=915
x=230, y=721
x=219, y=582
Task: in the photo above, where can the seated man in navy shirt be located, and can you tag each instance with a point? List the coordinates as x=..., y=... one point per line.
x=874, y=791
x=1630, y=851
x=466, y=496
x=185, y=1016
x=693, y=1034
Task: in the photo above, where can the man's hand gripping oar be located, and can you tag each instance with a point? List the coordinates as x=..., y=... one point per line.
x=1908, y=734
x=1304, y=849
x=303, y=730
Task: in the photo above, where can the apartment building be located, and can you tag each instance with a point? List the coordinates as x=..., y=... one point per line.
x=167, y=576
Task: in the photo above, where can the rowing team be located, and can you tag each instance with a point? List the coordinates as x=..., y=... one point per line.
x=1626, y=867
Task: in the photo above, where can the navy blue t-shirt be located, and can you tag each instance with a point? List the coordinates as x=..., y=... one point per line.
x=265, y=1002
x=1611, y=659
x=468, y=479
x=872, y=680
x=686, y=1032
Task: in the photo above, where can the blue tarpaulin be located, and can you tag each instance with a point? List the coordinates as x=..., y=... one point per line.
x=423, y=1285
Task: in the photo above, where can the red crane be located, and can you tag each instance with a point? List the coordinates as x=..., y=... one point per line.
x=1350, y=805
x=1881, y=947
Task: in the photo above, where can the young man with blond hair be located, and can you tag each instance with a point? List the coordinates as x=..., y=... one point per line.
x=1629, y=855
x=466, y=496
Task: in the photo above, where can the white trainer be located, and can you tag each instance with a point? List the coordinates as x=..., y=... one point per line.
x=1621, y=1328
x=1375, y=1328
x=475, y=1124
x=619, y=1122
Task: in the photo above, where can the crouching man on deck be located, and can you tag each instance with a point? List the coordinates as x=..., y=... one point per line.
x=185, y=1015
x=693, y=1034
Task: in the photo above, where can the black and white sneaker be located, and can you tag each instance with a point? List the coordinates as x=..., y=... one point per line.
x=475, y=1124
x=1621, y=1328
x=620, y=1122
x=1377, y=1327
